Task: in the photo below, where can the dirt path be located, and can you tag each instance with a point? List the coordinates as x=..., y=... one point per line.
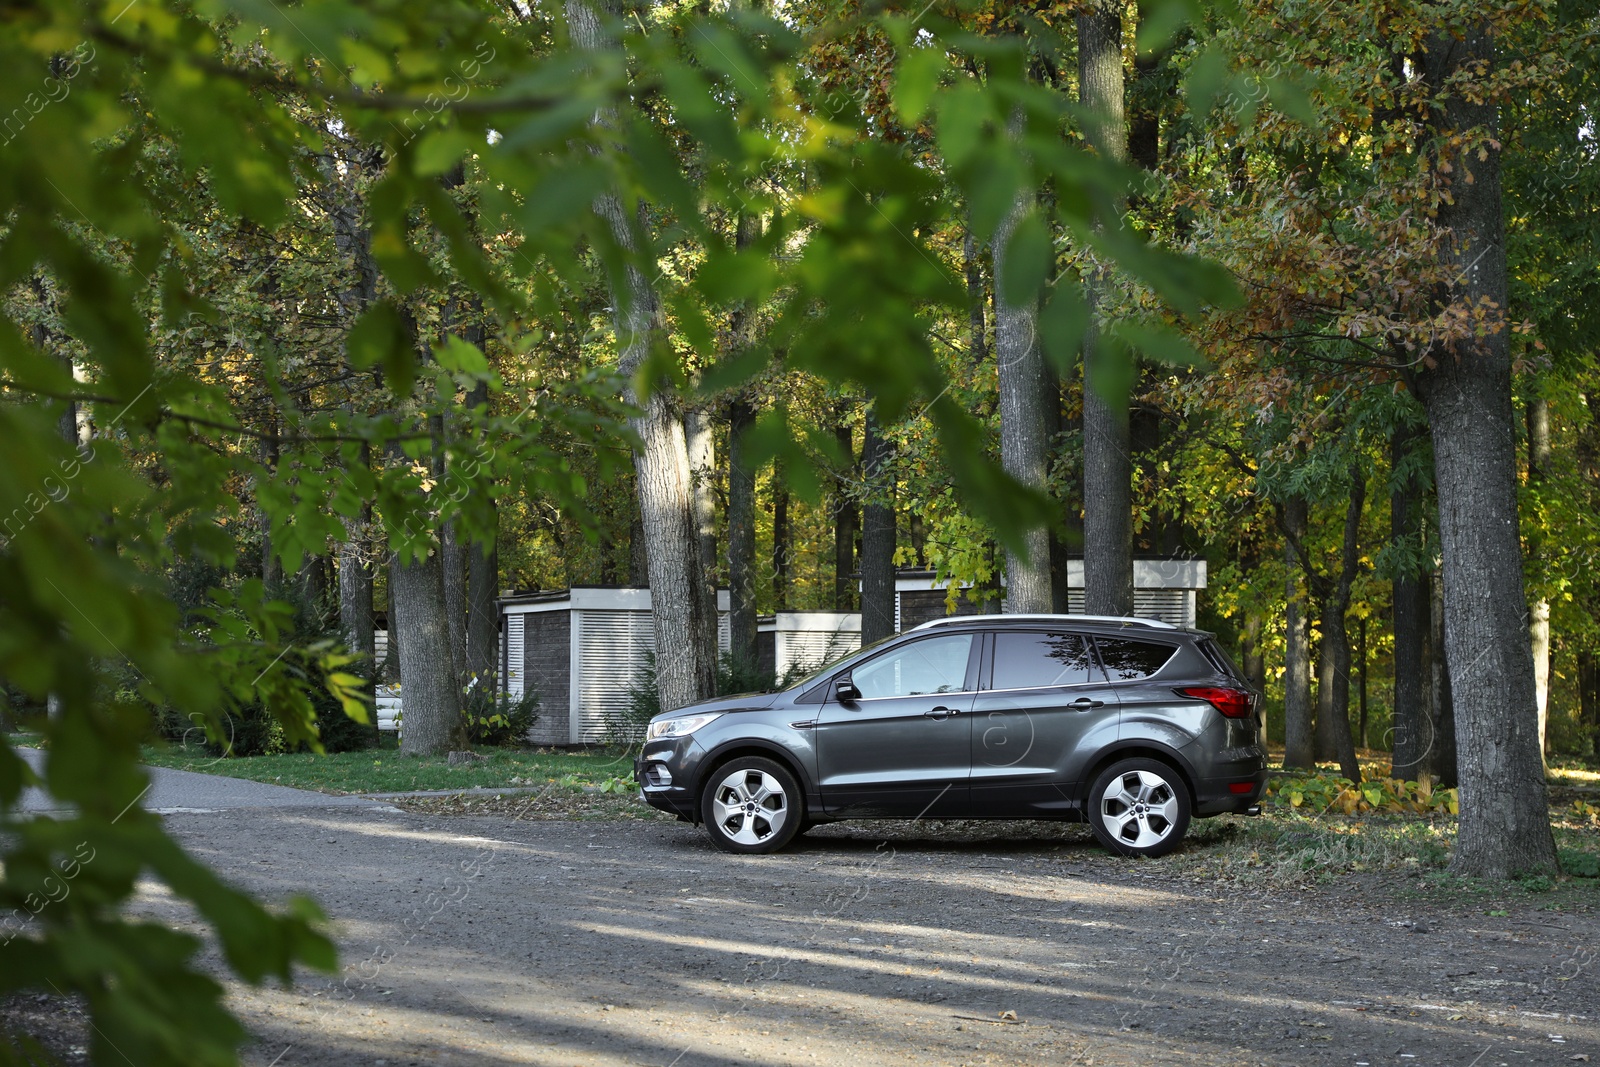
x=485, y=940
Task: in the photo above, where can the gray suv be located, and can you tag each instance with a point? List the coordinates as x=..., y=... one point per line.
x=1134, y=725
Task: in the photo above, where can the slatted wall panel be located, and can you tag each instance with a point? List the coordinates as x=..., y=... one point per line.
x=613, y=650
x=1167, y=605
x=511, y=669
x=801, y=651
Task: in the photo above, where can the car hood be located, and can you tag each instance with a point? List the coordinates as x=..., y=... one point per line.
x=737, y=702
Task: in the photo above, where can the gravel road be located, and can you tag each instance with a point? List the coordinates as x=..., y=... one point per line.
x=493, y=940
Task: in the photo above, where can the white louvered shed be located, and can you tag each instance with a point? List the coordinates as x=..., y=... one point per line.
x=580, y=651
x=791, y=643
x=1163, y=588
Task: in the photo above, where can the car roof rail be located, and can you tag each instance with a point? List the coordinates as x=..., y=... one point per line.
x=1122, y=620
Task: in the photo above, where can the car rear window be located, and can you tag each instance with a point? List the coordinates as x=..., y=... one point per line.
x=1215, y=655
x=1033, y=660
x=1126, y=660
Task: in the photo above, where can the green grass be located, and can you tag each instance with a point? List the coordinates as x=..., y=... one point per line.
x=385, y=770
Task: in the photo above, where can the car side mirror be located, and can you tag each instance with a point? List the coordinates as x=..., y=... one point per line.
x=845, y=689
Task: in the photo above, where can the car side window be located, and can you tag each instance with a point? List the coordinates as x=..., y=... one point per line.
x=934, y=665
x=1127, y=660
x=1031, y=660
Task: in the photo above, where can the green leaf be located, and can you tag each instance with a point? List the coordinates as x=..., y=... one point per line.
x=963, y=113
x=916, y=80
x=1208, y=74
x=1160, y=20
x=1062, y=322
x=458, y=357
x=1291, y=98
x=1157, y=341
x=382, y=337
x=1026, y=262
x=440, y=150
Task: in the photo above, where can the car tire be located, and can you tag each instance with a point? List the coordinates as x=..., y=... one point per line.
x=1139, y=807
x=752, y=805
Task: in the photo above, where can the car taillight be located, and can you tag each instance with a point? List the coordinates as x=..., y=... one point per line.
x=1234, y=703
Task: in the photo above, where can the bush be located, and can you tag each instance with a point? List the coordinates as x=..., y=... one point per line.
x=493, y=718
x=644, y=697
x=1322, y=793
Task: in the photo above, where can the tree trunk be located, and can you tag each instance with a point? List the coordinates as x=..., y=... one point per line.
x=1361, y=665
x=1024, y=443
x=1297, y=751
x=1333, y=689
x=638, y=557
x=1505, y=820
x=355, y=554
x=780, y=538
x=453, y=577
x=1539, y=610
x=430, y=695
x=1446, y=764
x=703, y=468
x=877, y=539
x=1107, y=462
x=686, y=649
x=1252, y=661
x=271, y=566
x=1589, y=698
x=1413, y=726
x=741, y=535
x=742, y=480
x=356, y=592
x=391, y=656
x=977, y=328
x=845, y=520
x=483, y=587
x=483, y=612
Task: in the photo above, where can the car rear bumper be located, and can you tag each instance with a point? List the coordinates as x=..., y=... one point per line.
x=1238, y=794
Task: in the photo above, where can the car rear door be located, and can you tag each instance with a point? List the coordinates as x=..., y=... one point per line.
x=903, y=749
x=1043, y=711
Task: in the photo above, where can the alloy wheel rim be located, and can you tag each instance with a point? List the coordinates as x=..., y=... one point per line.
x=1139, y=809
x=750, y=806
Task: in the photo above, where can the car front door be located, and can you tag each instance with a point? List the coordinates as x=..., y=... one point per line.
x=1043, y=710
x=901, y=749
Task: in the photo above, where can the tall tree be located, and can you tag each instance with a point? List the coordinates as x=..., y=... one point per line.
x=1297, y=736
x=782, y=537
x=483, y=577
x=877, y=537
x=846, y=516
x=741, y=533
x=1107, y=459
x=686, y=650
x=1333, y=659
x=430, y=690
x=1413, y=728
x=1019, y=364
x=1505, y=821
x=1538, y=418
x=701, y=444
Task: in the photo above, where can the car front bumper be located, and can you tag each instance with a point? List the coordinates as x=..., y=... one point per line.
x=665, y=773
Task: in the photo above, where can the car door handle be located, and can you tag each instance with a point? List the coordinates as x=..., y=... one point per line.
x=1085, y=703
x=937, y=713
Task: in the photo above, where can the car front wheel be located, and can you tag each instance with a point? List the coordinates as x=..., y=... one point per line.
x=752, y=805
x=1139, y=807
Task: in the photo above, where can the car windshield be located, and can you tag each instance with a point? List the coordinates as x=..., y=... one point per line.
x=813, y=676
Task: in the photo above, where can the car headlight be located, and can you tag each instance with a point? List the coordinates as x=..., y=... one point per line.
x=682, y=726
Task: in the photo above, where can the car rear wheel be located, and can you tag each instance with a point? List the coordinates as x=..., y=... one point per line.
x=752, y=805
x=1139, y=807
